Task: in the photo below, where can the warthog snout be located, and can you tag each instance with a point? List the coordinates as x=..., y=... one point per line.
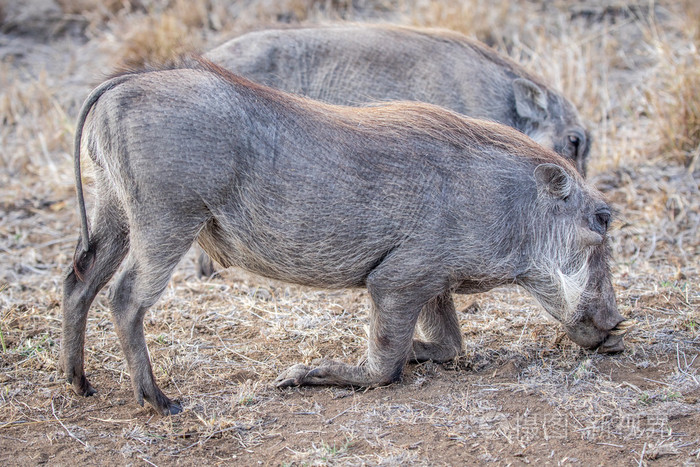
x=614, y=342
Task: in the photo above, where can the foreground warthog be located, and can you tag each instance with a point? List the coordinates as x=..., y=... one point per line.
x=409, y=200
x=353, y=65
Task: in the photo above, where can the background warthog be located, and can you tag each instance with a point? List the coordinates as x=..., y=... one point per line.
x=407, y=199
x=354, y=65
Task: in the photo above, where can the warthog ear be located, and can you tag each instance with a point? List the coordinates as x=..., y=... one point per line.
x=554, y=180
x=530, y=100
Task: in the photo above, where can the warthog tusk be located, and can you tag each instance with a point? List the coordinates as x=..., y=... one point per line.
x=622, y=327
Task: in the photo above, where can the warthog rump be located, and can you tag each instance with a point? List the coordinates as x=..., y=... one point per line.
x=409, y=200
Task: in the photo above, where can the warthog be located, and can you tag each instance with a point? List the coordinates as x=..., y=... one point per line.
x=353, y=65
x=409, y=200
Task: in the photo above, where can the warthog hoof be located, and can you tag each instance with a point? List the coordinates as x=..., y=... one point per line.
x=81, y=386
x=173, y=408
x=167, y=407
x=87, y=390
x=293, y=376
x=159, y=401
x=329, y=372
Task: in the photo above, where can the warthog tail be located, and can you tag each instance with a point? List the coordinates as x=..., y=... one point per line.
x=81, y=261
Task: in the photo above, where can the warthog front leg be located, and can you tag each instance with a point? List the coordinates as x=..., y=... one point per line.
x=396, y=303
x=205, y=265
x=439, y=328
x=391, y=332
x=108, y=246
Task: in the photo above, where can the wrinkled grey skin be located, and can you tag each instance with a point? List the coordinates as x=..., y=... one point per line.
x=357, y=64
x=409, y=200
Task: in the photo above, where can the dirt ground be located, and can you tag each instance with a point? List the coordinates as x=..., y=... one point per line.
x=521, y=394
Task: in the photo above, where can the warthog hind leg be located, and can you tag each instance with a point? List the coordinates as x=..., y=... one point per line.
x=108, y=246
x=154, y=254
x=439, y=328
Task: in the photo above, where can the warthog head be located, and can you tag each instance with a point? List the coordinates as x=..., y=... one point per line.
x=552, y=121
x=569, y=273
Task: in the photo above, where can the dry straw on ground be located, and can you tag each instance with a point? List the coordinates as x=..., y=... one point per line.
x=520, y=394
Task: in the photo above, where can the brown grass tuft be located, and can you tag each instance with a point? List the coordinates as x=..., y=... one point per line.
x=157, y=40
x=192, y=14
x=104, y=7
x=304, y=11
x=676, y=103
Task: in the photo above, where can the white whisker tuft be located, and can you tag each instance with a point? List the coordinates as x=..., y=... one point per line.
x=559, y=271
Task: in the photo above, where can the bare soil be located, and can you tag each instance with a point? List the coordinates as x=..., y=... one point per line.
x=521, y=394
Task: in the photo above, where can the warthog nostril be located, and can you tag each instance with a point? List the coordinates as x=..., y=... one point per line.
x=622, y=327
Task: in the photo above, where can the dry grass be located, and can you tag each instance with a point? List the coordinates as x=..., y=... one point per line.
x=156, y=40
x=106, y=9
x=475, y=18
x=676, y=103
x=520, y=394
x=169, y=29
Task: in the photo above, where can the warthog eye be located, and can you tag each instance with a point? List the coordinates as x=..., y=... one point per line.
x=576, y=143
x=602, y=217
